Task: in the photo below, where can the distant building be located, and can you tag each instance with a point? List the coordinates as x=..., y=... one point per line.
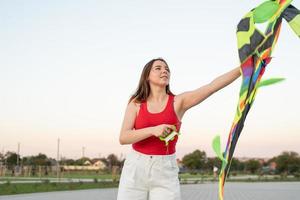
x=87, y=163
x=94, y=165
x=100, y=164
x=273, y=165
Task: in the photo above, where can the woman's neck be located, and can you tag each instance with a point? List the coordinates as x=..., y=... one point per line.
x=157, y=94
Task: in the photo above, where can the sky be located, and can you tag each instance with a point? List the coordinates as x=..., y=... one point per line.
x=68, y=68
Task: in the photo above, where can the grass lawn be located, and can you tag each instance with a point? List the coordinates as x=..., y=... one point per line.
x=19, y=188
x=66, y=175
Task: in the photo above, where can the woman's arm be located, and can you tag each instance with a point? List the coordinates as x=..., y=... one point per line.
x=128, y=135
x=192, y=98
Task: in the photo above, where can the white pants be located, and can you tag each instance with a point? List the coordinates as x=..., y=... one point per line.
x=146, y=177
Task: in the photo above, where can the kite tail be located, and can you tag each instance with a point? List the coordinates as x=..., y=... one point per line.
x=292, y=16
x=255, y=49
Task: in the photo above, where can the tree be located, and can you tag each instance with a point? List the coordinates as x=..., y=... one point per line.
x=39, y=160
x=252, y=165
x=237, y=165
x=288, y=162
x=2, y=158
x=213, y=162
x=67, y=162
x=112, y=160
x=11, y=159
x=195, y=160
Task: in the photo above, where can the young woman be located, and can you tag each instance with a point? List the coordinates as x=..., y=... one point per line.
x=150, y=171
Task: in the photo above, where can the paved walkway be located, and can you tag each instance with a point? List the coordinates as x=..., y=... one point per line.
x=233, y=191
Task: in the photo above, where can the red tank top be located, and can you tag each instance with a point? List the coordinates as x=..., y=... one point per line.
x=153, y=145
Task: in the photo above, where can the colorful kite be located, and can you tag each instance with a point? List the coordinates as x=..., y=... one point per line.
x=255, y=49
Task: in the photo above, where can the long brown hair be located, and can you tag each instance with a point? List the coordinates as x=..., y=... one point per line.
x=143, y=90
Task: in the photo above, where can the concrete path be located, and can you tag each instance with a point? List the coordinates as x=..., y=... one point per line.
x=208, y=191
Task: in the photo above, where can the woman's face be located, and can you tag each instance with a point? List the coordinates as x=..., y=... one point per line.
x=159, y=74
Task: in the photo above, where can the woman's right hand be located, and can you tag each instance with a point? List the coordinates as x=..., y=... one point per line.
x=163, y=130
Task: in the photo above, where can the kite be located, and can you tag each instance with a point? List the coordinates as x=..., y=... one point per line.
x=255, y=48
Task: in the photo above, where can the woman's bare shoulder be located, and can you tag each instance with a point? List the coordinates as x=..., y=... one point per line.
x=178, y=98
x=134, y=105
